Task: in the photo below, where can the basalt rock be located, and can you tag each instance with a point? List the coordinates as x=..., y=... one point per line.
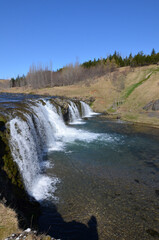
x=64, y=105
x=88, y=100
x=153, y=105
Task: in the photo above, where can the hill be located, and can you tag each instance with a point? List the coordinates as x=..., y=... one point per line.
x=4, y=83
x=122, y=93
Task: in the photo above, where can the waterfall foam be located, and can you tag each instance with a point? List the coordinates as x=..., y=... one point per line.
x=74, y=115
x=42, y=129
x=86, y=110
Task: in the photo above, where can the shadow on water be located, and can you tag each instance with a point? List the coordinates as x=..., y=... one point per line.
x=52, y=223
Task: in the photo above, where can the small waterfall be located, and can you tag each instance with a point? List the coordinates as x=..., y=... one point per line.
x=74, y=114
x=30, y=139
x=86, y=110
x=35, y=132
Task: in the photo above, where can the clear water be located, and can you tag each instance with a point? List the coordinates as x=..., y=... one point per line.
x=95, y=179
x=16, y=97
x=108, y=187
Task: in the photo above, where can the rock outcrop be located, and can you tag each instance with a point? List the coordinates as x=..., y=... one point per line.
x=153, y=105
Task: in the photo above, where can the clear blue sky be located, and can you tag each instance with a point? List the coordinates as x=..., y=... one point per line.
x=61, y=31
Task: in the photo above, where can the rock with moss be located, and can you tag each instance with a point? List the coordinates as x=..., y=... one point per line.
x=7, y=163
x=63, y=103
x=11, y=183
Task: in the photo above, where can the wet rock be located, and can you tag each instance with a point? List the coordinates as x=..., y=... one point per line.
x=88, y=100
x=64, y=102
x=12, y=192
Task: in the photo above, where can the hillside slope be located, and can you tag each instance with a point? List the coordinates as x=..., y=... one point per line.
x=122, y=93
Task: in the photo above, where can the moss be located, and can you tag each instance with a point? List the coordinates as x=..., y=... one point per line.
x=11, y=170
x=7, y=164
x=3, y=119
x=134, y=86
x=130, y=117
x=91, y=104
x=111, y=110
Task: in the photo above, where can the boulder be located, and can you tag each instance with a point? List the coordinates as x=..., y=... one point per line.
x=153, y=105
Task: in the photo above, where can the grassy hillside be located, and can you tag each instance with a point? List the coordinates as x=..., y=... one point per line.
x=8, y=222
x=9, y=226
x=124, y=92
x=4, y=84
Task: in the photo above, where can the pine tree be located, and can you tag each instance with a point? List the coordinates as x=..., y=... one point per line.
x=153, y=52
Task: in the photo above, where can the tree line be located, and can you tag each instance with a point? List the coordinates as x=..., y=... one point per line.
x=140, y=59
x=41, y=77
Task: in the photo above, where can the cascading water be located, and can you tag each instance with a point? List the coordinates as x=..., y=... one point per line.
x=74, y=114
x=86, y=110
x=28, y=142
x=42, y=129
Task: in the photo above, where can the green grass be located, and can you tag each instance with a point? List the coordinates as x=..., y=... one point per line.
x=130, y=117
x=111, y=110
x=135, y=85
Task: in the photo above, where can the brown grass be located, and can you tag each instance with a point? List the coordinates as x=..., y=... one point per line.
x=8, y=222
x=4, y=84
x=9, y=225
x=107, y=92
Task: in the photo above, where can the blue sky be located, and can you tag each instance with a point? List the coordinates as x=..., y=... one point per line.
x=62, y=31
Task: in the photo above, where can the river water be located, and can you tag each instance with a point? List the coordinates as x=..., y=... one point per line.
x=99, y=179
x=114, y=179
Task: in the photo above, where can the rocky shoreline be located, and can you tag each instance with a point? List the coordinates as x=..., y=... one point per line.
x=28, y=234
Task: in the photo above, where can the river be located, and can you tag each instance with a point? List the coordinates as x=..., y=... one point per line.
x=94, y=178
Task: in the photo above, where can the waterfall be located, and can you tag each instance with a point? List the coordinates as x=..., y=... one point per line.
x=74, y=114
x=86, y=110
x=29, y=140
x=35, y=132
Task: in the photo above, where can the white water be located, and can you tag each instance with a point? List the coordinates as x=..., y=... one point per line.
x=43, y=130
x=86, y=110
x=74, y=115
